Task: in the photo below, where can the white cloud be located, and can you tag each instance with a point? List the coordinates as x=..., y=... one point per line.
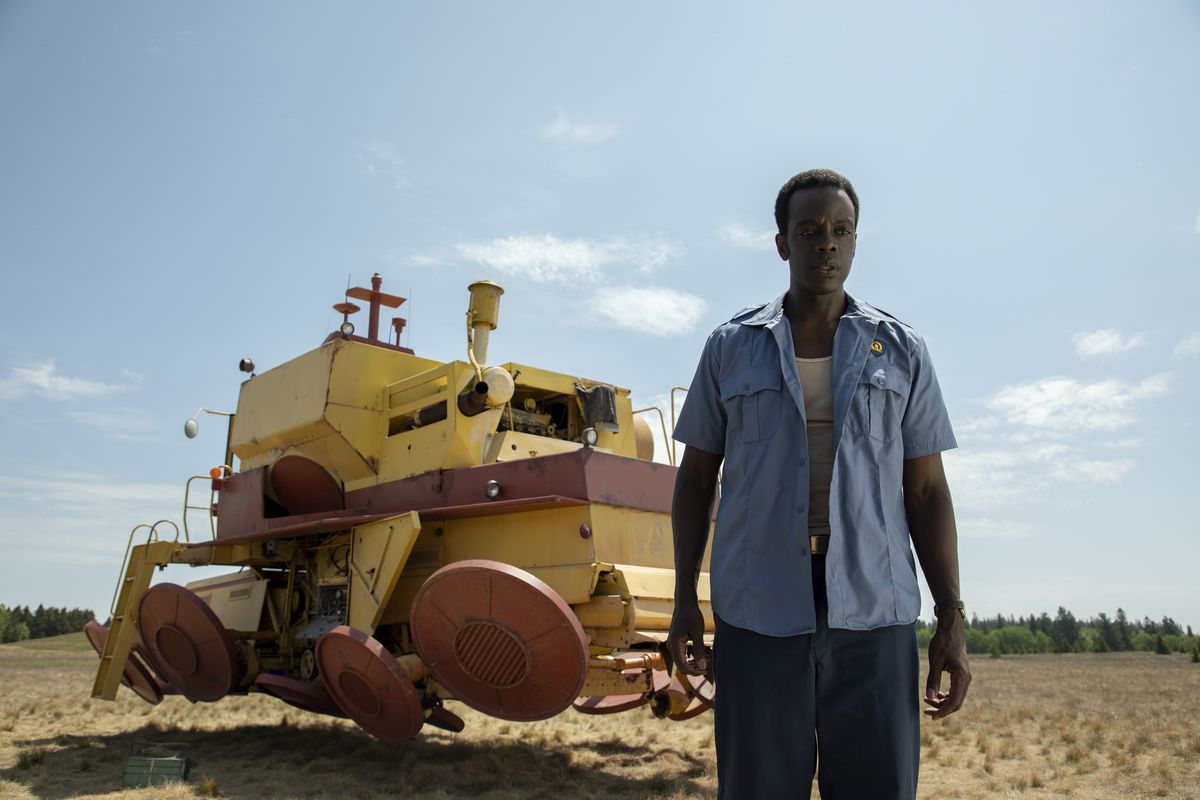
x=45, y=381
x=1093, y=471
x=738, y=234
x=650, y=309
x=549, y=259
x=1107, y=342
x=1189, y=346
x=86, y=517
x=1068, y=405
x=123, y=424
x=567, y=130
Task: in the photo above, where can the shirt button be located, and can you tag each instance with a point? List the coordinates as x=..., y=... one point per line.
x=802, y=462
x=803, y=551
x=799, y=509
x=745, y=387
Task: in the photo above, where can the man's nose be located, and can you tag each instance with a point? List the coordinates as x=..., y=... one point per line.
x=826, y=242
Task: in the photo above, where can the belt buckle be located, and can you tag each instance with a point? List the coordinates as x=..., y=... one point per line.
x=818, y=543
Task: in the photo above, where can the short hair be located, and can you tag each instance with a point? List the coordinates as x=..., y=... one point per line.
x=807, y=180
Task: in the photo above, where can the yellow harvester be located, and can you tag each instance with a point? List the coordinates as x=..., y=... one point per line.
x=405, y=532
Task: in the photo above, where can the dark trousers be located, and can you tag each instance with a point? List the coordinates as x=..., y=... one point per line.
x=846, y=702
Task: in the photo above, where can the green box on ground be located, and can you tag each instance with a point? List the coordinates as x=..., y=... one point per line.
x=151, y=771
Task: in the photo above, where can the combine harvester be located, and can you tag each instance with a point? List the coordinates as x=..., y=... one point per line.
x=407, y=532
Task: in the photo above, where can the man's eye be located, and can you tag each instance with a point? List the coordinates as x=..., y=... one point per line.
x=804, y=231
x=844, y=231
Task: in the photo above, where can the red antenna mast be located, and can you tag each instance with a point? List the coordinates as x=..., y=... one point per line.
x=376, y=298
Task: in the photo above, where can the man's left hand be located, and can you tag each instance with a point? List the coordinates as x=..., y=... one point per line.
x=947, y=653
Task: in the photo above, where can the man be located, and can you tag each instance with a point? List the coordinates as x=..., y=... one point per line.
x=830, y=423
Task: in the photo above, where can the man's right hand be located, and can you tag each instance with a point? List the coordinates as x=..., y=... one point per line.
x=687, y=625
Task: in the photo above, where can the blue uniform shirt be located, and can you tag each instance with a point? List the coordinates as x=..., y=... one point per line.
x=746, y=403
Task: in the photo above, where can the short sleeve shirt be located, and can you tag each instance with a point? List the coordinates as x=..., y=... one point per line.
x=746, y=403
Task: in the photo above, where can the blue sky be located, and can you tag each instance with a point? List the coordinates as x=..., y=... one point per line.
x=185, y=185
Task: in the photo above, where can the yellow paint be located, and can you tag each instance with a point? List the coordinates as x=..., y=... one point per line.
x=135, y=580
x=378, y=552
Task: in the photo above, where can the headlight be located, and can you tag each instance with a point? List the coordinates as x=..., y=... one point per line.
x=590, y=437
x=491, y=489
x=347, y=328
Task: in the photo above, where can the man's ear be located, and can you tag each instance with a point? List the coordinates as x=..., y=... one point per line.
x=781, y=246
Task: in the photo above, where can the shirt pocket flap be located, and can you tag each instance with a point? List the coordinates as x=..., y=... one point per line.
x=886, y=377
x=750, y=381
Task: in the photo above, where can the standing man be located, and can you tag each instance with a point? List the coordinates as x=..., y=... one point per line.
x=830, y=423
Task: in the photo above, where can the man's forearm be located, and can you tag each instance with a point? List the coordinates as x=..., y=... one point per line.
x=935, y=539
x=691, y=511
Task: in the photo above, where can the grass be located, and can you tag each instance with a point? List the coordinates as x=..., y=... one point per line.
x=66, y=643
x=1121, y=725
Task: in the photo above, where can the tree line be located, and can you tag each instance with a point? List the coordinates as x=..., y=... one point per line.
x=20, y=623
x=1065, y=633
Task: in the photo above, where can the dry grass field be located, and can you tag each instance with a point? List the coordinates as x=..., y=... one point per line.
x=1081, y=726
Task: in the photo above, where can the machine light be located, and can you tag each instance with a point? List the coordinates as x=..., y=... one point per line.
x=492, y=489
x=590, y=437
x=347, y=328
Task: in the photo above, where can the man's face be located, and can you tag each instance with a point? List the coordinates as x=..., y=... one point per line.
x=819, y=245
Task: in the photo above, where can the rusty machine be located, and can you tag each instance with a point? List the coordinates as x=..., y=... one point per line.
x=405, y=532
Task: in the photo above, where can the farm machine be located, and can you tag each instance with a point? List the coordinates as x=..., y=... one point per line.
x=403, y=532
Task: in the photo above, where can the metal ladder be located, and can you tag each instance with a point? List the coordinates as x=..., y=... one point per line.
x=134, y=580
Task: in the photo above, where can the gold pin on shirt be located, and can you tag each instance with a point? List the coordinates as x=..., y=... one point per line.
x=877, y=347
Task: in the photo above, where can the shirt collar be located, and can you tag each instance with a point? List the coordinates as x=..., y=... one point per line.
x=772, y=312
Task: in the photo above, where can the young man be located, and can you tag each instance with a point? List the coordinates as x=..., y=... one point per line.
x=830, y=423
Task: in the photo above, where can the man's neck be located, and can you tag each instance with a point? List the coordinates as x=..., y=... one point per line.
x=806, y=309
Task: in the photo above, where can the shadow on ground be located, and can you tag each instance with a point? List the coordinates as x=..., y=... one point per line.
x=333, y=761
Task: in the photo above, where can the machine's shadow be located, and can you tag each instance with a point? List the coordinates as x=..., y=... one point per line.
x=333, y=761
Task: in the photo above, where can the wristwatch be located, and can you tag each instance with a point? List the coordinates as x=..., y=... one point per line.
x=956, y=605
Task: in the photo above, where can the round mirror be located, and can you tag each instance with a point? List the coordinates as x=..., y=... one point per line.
x=191, y=428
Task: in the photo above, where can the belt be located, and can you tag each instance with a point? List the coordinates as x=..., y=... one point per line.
x=818, y=543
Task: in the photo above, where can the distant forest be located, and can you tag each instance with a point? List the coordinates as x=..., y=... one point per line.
x=1064, y=633
x=996, y=636
x=18, y=624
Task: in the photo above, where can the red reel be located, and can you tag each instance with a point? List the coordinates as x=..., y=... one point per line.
x=500, y=639
x=310, y=696
x=369, y=685
x=136, y=676
x=186, y=642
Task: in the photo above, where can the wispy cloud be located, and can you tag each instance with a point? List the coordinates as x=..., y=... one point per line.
x=87, y=516
x=1107, y=342
x=122, y=424
x=44, y=380
x=738, y=234
x=650, y=309
x=1040, y=440
x=565, y=129
x=1189, y=346
x=381, y=159
x=1069, y=405
x=547, y=258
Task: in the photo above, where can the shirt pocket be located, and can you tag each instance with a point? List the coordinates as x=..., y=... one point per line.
x=753, y=398
x=879, y=402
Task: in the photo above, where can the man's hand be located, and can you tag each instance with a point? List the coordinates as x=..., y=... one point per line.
x=947, y=653
x=691, y=513
x=687, y=625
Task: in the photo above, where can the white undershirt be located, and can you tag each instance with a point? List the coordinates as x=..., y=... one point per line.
x=816, y=378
